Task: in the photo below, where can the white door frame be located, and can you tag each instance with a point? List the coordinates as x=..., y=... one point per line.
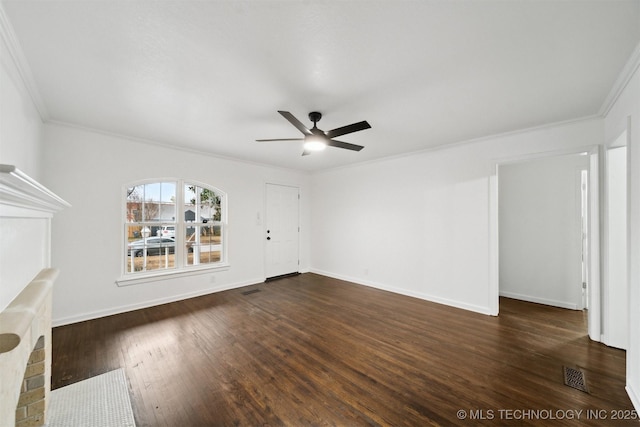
x=606, y=333
x=594, y=315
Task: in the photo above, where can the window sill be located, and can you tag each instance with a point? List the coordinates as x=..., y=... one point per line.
x=167, y=275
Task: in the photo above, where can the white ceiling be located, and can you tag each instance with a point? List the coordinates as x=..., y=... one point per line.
x=211, y=75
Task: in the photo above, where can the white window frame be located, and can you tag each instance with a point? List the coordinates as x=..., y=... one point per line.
x=180, y=268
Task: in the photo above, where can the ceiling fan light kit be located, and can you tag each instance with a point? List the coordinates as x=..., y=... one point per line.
x=314, y=143
x=316, y=139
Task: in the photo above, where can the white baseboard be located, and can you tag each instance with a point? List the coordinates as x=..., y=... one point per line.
x=537, y=300
x=634, y=397
x=146, y=304
x=401, y=291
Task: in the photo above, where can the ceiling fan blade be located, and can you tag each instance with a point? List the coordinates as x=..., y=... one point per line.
x=355, y=127
x=340, y=144
x=280, y=139
x=297, y=123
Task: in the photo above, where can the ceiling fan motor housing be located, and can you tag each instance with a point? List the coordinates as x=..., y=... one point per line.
x=314, y=116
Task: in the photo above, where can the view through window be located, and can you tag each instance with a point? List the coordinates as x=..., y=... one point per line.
x=173, y=225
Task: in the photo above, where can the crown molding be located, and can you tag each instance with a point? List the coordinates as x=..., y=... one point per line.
x=466, y=142
x=169, y=146
x=15, y=50
x=627, y=72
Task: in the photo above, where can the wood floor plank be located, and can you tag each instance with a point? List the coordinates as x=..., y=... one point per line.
x=311, y=350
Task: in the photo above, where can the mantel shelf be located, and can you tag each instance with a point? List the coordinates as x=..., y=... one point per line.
x=20, y=193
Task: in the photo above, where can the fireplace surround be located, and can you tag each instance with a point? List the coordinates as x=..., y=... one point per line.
x=25, y=353
x=26, y=285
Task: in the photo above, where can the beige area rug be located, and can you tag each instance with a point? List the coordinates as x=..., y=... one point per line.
x=101, y=401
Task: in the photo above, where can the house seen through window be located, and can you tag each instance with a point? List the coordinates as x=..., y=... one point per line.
x=173, y=225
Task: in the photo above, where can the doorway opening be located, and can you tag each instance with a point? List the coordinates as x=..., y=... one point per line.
x=544, y=213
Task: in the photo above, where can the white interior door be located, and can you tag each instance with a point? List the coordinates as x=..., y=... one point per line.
x=584, y=211
x=282, y=230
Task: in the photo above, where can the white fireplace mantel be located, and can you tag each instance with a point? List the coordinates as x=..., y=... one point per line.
x=22, y=196
x=26, y=212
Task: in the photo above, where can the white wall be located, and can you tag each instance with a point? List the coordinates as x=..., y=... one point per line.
x=625, y=116
x=22, y=241
x=420, y=224
x=89, y=170
x=20, y=123
x=540, y=230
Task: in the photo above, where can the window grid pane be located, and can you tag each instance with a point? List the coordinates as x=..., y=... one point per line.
x=204, y=244
x=148, y=253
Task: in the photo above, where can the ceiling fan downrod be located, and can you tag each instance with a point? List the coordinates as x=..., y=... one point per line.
x=315, y=117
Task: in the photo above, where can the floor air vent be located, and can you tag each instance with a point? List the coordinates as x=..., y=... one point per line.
x=575, y=377
x=252, y=291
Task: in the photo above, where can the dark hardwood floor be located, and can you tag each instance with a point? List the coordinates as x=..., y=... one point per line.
x=311, y=350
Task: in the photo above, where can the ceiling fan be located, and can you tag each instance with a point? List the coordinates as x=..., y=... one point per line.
x=316, y=139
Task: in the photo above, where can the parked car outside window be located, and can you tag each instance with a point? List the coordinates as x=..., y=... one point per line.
x=155, y=246
x=167, y=231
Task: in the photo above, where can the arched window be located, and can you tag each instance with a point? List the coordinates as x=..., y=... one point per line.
x=173, y=226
